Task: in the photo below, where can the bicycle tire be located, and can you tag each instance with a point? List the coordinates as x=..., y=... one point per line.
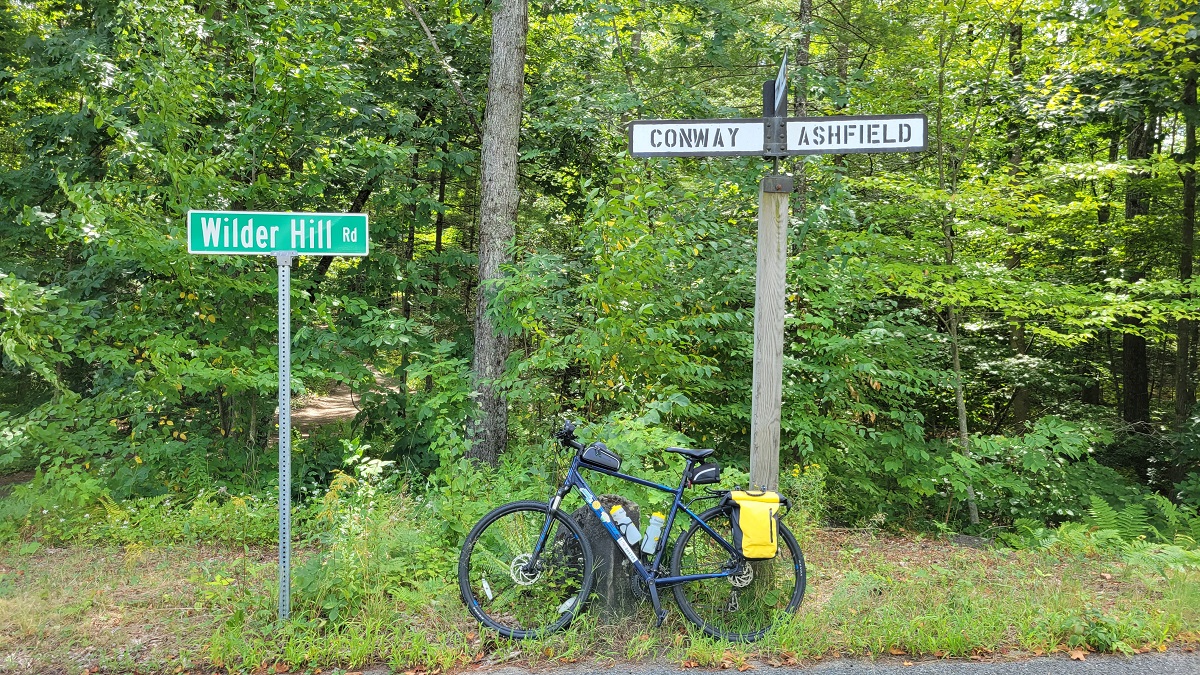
x=526, y=605
x=706, y=555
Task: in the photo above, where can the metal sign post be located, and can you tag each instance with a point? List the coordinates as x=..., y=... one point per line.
x=772, y=137
x=285, y=236
x=283, y=261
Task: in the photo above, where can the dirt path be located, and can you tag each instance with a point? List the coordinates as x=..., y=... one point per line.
x=340, y=404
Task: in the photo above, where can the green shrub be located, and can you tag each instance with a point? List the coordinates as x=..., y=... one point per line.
x=370, y=545
x=1097, y=630
x=209, y=517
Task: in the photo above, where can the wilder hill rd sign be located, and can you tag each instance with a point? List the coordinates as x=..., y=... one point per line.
x=263, y=233
x=285, y=236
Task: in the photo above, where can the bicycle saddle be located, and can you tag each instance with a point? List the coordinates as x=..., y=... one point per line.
x=692, y=454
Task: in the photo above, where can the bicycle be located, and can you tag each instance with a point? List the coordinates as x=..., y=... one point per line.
x=525, y=569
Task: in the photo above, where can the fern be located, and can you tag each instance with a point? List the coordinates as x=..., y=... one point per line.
x=1181, y=524
x=1130, y=522
x=1102, y=516
x=115, y=512
x=1133, y=521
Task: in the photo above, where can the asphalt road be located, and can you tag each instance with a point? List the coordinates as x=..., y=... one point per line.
x=1169, y=663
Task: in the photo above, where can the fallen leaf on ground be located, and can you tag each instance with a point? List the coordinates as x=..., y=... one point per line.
x=897, y=651
x=744, y=667
x=1077, y=655
x=908, y=663
x=1105, y=575
x=690, y=664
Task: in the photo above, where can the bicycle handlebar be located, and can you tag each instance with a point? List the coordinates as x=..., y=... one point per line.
x=567, y=436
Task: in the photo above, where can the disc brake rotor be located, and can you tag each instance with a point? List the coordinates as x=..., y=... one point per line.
x=742, y=577
x=519, y=572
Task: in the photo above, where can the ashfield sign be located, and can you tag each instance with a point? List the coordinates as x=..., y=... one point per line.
x=805, y=136
x=870, y=133
x=266, y=233
x=695, y=138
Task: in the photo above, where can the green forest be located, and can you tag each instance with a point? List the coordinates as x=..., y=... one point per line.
x=996, y=336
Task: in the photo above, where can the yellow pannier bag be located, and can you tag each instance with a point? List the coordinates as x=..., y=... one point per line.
x=756, y=523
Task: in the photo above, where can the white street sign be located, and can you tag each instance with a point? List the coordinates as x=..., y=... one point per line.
x=696, y=138
x=848, y=134
x=836, y=135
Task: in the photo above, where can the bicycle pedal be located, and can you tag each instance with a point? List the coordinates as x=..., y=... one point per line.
x=661, y=615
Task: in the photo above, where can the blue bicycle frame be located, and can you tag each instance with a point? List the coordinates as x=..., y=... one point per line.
x=648, y=576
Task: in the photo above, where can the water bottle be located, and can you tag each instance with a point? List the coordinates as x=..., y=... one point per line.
x=624, y=525
x=653, y=533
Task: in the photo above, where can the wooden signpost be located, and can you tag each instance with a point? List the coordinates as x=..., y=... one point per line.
x=285, y=236
x=774, y=136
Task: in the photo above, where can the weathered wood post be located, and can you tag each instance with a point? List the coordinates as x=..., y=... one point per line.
x=770, y=289
x=769, y=293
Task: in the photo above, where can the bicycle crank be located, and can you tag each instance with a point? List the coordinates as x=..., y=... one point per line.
x=641, y=591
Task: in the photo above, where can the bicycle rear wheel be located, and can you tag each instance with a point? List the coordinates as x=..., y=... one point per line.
x=743, y=606
x=502, y=586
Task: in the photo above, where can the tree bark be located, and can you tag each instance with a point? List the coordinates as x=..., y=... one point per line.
x=497, y=221
x=1185, y=388
x=1135, y=365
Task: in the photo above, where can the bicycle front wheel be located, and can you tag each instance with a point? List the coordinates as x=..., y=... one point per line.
x=506, y=589
x=743, y=606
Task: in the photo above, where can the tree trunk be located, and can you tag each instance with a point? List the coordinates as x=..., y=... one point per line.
x=497, y=219
x=1135, y=365
x=842, y=63
x=439, y=226
x=1185, y=388
x=439, y=229
x=964, y=436
x=960, y=403
x=1016, y=65
x=410, y=249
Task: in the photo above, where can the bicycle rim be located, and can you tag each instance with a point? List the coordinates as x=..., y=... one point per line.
x=742, y=607
x=505, y=590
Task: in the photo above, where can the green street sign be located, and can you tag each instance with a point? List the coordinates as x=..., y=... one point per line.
x=265, y=233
